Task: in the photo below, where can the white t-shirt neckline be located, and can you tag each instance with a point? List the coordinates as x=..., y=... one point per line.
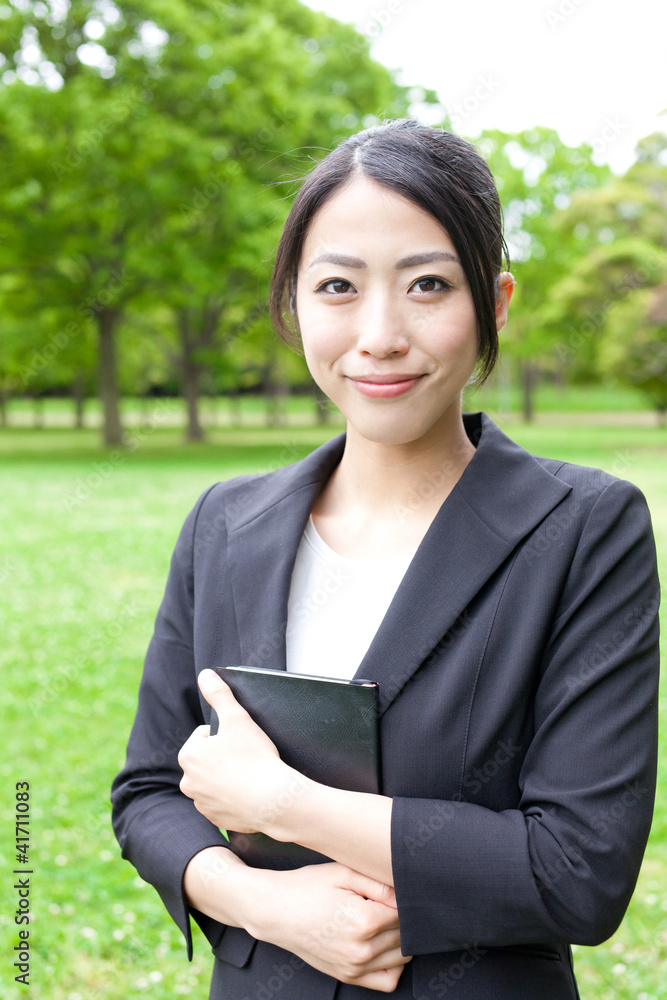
x=313, y=537
x=336, y=605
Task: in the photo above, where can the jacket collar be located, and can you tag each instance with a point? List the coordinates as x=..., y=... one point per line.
x=503, y=494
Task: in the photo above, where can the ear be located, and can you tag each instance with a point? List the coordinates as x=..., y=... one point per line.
x=506, y=286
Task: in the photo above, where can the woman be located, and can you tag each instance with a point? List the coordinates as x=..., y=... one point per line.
x=505, y=604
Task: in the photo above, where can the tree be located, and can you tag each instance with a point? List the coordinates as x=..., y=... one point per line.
x=624, y=229
x=148, y=140
x=537, y=176
x=634, y=349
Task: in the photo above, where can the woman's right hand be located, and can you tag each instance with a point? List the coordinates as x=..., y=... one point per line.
x=335, y=919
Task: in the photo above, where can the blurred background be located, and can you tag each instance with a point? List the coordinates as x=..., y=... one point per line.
x=149, y=152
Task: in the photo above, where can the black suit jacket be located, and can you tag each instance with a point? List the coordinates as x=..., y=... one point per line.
x=518, y=668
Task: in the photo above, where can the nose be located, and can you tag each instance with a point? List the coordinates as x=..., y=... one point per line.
x=380, y=332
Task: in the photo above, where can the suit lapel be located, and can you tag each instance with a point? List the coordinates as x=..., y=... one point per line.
x=502, y=495
x=262, y=547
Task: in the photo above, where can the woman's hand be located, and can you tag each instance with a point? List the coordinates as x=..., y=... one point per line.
x=335, y=919
x=236, y=778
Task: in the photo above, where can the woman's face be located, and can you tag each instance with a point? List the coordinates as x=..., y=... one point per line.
x=386, y=314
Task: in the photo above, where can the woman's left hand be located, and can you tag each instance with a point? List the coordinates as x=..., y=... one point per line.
x=236, y=778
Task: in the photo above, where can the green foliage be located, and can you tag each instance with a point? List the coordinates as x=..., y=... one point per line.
x=622, y=232
x=151, y=148
x=635, y=349
x=537, y=175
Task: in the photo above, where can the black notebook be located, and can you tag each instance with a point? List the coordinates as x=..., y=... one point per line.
x=323, y=727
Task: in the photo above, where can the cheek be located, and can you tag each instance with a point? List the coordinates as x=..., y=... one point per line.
x=457, y=336
x=323, y=341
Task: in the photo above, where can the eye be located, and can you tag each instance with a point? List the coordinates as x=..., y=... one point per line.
x=335, y=286
x=429, y=283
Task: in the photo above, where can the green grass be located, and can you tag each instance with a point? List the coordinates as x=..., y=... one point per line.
x=85, y=542
x=559, y=401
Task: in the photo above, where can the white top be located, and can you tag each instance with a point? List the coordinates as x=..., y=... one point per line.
x=335, y=606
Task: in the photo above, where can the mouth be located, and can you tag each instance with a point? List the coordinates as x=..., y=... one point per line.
x=385, y=386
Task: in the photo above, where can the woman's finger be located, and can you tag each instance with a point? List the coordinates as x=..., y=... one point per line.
x=370, y=888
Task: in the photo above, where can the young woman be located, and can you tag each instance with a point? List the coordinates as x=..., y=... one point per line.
x=505, y=604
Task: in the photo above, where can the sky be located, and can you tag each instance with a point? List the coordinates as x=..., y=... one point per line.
x=595, y=70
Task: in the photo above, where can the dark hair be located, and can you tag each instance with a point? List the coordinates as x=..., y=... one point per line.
x=435, y=169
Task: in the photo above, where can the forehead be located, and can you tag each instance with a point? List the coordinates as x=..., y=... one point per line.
x=364, y=214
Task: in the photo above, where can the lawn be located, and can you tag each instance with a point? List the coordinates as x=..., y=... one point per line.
x=84, y=550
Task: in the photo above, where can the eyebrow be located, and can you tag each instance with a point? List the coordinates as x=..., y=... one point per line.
x=414, y=260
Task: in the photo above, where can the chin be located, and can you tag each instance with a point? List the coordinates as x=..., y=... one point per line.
x=383, y=432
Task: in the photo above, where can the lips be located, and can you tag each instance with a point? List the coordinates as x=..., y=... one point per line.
x=386, y=378
x=385, y=386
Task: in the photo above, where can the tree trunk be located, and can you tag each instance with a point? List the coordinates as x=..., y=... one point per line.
x=38, y=413
x=528, y=383
x=79, y=398
x=191, y=376
x=191, y=373
x=322, y=411
x=277, y=392
x=112, y=429
x=504, y=391
x=195, y=336
x=3, y=408
x=235, y=410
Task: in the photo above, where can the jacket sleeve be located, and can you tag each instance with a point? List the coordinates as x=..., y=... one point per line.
x=563, y=865
x=158, y=827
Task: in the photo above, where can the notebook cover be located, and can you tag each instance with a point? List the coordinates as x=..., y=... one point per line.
x=323, y=727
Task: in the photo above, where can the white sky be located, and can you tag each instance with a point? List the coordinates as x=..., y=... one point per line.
x=595, y=70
